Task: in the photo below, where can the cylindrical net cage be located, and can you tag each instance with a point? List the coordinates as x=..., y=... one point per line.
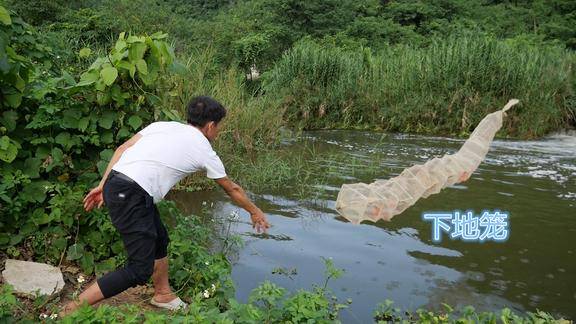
x=384, y=199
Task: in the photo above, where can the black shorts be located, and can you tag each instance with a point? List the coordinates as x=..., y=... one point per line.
x=145, y=238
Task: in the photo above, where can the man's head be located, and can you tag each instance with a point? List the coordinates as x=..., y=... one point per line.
x=205, y=113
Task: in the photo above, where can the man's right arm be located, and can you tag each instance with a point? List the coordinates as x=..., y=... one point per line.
x=94, y=198
x=238, y=195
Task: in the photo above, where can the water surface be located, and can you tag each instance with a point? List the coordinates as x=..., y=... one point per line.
x=535, y=181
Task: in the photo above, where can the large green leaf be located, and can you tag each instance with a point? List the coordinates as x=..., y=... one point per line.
x=60, y=243
x=123, y=133
x=107, y=137
x=15, y=239
x=159, y=35
x=75, y=252
x=32, y=167
x=19, y=83
x=83, y=123
x=117, y=94
x=5, y=16
x=8, y=149
x=4, y=142
x=101, y=165
x=141, y=66
x=120, y=45
x=70, y=118
x=88, y=78
x=68, y=78
x=178, y=68
x=57, y=156
x=100, y=85
x=35, y=191
x=106, y=265
x=64, y=140
x=93, y=238
x=136, y=51
x=107, y=119
x=125, y=65
x=107, y=154
x=135, y=122
x=109, y=75
x=39, y=217
x=87, y=262
x=97, y=63
x=13, y=100
x=136, y=39
x=117, y=247
x=85, y=52
x=9, y=119
x=4, y=239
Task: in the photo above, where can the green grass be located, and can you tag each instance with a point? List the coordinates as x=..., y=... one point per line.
x=251, y=129
x=445, y=88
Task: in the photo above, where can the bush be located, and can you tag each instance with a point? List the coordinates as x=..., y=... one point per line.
x=55, y=129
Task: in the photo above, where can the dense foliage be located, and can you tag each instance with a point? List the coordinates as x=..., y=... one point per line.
x=54, y=129
x=263, y=29
x=254, y=35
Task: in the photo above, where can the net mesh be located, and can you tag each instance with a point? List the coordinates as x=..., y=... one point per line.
x=383, y=199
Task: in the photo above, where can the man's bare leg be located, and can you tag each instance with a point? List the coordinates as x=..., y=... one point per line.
x=162, y=291
x=91, y=296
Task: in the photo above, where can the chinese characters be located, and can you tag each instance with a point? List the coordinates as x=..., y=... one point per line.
x=489, y=226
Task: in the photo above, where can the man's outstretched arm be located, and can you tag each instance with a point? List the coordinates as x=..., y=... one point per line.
x=238, y=195
x=94, y=197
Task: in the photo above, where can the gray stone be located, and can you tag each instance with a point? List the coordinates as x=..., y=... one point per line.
x=29, y=277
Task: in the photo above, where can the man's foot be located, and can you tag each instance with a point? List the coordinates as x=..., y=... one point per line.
x=174, y=304
x=164, y=297
x=67, y=309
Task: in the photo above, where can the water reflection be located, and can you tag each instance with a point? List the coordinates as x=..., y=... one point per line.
x=533, y=180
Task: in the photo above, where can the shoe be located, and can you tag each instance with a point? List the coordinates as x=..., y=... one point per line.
x=173, y=305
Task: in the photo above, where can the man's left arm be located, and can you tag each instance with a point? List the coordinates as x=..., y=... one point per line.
x=238, y=195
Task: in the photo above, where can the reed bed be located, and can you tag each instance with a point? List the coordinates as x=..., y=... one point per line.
x=445, y=88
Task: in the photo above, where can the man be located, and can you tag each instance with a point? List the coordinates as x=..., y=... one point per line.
x=140, y=173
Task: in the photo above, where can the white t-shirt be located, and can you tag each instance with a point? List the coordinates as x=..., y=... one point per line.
x=166, y=153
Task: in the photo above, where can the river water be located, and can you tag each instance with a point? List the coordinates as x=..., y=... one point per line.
x=534, y=181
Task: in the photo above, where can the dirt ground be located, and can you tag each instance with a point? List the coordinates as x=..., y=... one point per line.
x=139, y=296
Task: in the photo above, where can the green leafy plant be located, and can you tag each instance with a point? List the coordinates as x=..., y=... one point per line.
x=57, y=135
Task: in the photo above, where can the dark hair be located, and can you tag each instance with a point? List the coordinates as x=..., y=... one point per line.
x=204, y=109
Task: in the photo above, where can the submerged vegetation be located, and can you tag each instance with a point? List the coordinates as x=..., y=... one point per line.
x=89, y=74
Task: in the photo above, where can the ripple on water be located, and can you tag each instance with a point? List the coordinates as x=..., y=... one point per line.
x=569, y=196
x=410, y=266
x=475, y=276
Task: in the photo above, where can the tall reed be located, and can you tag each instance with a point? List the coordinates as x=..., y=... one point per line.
x=445, y=88
x=252, y=124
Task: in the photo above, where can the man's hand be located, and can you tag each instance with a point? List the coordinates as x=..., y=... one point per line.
x=93, y=198
x=259, y=222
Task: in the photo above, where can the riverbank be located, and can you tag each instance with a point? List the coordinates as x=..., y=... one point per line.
x=398, y=259
x=201, y=276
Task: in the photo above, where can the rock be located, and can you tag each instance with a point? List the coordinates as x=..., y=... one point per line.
x=28, y=277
